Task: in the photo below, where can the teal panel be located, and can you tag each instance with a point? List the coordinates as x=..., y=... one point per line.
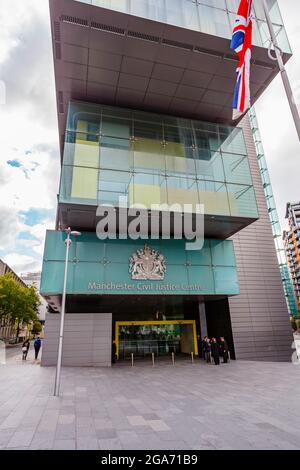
x=86, y=272
x=226, y=280
x=203, y=277
x=88, y=249
x=55, y=248
x=200, y=257
x=222, y=253
x=102, y=267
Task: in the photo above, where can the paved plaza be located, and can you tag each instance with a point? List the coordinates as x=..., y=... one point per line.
x=241, y=405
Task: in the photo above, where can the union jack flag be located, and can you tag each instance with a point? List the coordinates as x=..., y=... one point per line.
x=242, y=44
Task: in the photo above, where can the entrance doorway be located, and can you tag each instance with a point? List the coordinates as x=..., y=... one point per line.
x=161, y=337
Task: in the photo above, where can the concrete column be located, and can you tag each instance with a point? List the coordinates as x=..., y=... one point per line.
x=202, y=317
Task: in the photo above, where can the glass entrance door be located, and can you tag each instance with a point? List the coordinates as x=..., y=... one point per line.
x=158, y=337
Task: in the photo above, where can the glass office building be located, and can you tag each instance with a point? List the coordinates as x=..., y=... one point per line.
x=144, y=91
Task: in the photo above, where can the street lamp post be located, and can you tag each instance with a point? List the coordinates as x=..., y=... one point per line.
x=68, y=243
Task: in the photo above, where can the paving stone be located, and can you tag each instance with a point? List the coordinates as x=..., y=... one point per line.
x=182, y=407
x=137, y=420
x=158, y=425
x=64, y=444
x=110, y=444
x=87, y=443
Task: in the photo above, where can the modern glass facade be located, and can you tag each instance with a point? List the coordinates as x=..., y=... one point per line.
x=215, y=17
x=101, y=267
x=154, y=159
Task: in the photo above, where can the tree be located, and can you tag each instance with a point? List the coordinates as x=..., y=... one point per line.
x=18, y=303
x=36, y=328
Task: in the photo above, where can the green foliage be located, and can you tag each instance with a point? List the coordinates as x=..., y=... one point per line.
x=36, y=328
x=18, y=303
x=298, y=324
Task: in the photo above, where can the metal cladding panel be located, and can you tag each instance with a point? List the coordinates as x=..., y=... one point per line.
x=87, y=340
x=260, y=311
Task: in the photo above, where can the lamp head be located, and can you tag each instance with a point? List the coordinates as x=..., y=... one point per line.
x=75, y=233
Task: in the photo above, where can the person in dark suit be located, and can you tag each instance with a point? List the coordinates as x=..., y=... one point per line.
x=113, y=352
x=215, y=351
x=224, y=351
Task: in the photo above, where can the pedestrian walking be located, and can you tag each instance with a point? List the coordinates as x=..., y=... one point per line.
x=224, y=351
x=37, y=346
x=25, y=349
x=215, y=351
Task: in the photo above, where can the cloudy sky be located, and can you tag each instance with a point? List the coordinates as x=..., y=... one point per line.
x=29, y=158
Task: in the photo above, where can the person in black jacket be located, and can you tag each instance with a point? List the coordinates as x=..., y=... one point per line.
x=224, y=350
x=215, y=351
x=113, y=352
x=25, y=349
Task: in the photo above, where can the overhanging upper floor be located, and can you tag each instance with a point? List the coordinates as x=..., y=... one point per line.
x=174, y=65
x=125, y=158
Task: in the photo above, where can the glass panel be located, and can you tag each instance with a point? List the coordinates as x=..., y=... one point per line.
x=116, y=126
x=148, y=147
x=82, y=153
x=152, y=9
x=210, y=169
x=119, y=5
x=84, y=118
x=182, y=191
x=236, y=168
x=116, y=154
x=214, y=197
x=112, y=185
x=206, y=142
x=214, y=21
x=214, y=3
x=242, y=201
x=232, y=5
x=232, y=140
x=79, y=184
x=147, y=189
x=182, y=13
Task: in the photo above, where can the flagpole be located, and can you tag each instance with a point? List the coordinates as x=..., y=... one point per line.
x=284, y=75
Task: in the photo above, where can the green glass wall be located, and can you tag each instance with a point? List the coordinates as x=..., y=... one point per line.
x=214, y=17
x=154, y=159
x=102, y=267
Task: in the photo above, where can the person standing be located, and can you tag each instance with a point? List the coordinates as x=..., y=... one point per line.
x=207, y=349
x=113, y=352
x=215, y=351
x=37, y=346
x=25, y=349
x=224, y=351
x=203, y=347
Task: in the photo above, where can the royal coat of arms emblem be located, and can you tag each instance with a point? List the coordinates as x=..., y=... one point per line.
x=147, y=264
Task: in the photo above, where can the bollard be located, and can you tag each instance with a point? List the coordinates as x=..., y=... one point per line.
x=228, y=356
x=131, y=359
x=173, y=359
x=152, y=359
x=192, y=357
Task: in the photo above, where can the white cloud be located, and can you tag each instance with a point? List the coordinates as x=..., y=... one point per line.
x=28, y=126
x=20, y=263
